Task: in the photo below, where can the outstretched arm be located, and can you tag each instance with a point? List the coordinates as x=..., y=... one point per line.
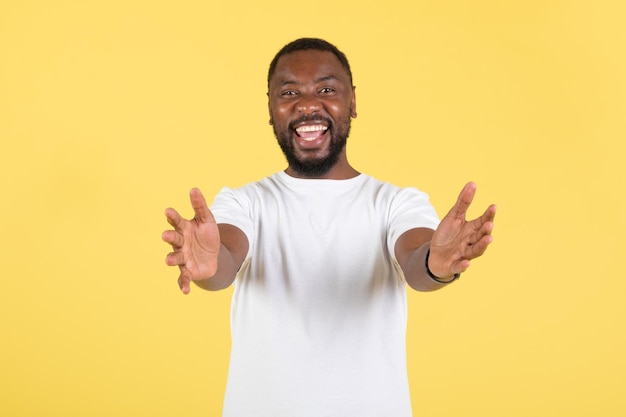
x=451, y=247
x=206, y=253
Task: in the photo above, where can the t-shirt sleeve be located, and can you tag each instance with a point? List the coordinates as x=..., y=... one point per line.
x=233, y=207
x=410, y=209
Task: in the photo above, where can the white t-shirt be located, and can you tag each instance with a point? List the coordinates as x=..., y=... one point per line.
x=318, y=315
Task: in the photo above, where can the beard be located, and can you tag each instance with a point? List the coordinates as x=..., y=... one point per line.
x=314, y=166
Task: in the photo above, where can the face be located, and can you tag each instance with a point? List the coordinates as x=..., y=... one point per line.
x=311, y=101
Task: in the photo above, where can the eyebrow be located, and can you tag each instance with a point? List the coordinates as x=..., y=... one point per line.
x=318, y=80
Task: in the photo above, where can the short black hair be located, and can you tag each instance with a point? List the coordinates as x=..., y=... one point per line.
x=303, y=44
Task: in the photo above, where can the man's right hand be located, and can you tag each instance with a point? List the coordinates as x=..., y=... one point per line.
x=196, y=242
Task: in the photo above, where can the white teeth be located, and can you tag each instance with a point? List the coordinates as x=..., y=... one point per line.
x=314, y=128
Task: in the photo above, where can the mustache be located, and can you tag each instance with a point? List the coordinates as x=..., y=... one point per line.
x=310, y=118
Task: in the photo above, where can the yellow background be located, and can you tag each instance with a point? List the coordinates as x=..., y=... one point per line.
x=110, y=111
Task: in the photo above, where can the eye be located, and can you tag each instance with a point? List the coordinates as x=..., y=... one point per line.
x=288, y=93
x=327, y=90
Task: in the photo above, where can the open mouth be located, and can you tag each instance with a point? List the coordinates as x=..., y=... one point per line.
x=309, y=133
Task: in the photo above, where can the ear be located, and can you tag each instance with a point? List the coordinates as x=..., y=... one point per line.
x=353, y=103
x=269, y=108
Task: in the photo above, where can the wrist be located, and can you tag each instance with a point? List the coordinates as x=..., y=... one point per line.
x=439, y=280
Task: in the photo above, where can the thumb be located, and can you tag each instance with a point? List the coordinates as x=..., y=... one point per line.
x=200, y=208
x=466, y=196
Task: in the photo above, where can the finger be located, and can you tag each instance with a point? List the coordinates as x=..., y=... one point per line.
x=184, y=281
x=489, y=214
x=174, y=238
x=174, y=219
x=466, y=196
x=461, y=266
x=479, y=248
x=486, y=222
x=483, y=229
x=483, y=225
x=200, y=208
x=175, y=258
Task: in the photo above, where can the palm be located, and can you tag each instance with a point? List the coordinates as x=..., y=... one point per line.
x=196, y=242
x=200, y=248
x=457, y=240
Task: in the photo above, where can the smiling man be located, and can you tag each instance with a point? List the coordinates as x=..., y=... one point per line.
x=320, y=256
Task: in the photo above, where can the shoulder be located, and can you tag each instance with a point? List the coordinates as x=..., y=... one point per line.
x=394, y=193
x=255, y=187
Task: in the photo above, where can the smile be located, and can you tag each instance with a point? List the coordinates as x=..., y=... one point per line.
x=311, y=132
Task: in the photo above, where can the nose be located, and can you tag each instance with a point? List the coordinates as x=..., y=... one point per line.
x=308, y=104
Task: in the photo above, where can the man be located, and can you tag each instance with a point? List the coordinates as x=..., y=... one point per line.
x=320, y=256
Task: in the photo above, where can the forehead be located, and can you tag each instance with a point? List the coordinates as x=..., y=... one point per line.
x=307, y=65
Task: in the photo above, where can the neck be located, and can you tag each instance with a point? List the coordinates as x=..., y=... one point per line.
x=342, y=170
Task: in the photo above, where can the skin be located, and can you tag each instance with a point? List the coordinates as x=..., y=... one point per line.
x=301, y=91
x=307, y=85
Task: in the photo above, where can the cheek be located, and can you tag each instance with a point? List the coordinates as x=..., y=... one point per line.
x=340, y=110
x=280, y=114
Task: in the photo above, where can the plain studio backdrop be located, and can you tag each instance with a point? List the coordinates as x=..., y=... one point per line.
x=110, y=111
